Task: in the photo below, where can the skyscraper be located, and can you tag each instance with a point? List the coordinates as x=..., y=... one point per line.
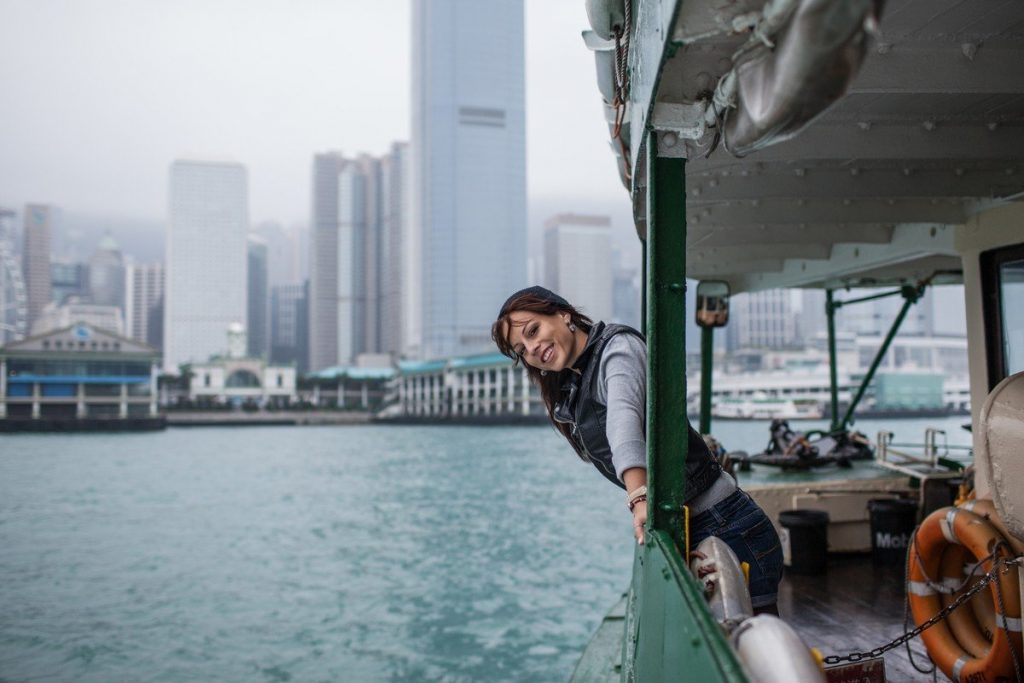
x=206, y=259
x=344, y=268
x=259, y=302
x=107, y=274
x=578, y=262
x=468, y=165
x=282, y=253
x=358, y=251
x=323, y=262
x=13, y=300
x=626, y=297
x=69, y=279
x=289, y=325
x=762, y=320
x=398, y=255
x=36, y=258
x=144, y=294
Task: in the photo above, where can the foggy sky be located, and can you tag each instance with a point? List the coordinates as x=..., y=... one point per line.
x=99, y=96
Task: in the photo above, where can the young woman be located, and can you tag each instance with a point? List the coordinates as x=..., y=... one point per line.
x=593, y=380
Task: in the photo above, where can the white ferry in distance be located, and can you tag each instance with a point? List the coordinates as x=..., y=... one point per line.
x=764, y=407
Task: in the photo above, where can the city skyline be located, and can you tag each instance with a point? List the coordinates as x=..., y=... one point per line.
x=136, y=131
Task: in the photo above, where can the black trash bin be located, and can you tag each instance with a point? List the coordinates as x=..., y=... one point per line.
x=892, y=524
x=807, y=532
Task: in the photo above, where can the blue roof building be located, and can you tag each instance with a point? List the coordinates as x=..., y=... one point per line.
x=78, y=377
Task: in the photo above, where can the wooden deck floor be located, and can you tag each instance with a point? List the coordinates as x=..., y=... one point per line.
x=855, y=605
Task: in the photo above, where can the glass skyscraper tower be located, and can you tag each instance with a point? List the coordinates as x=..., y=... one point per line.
x=469, y=166
x=206, y=259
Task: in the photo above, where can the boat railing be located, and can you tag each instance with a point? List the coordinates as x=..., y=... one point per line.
x=935, y=458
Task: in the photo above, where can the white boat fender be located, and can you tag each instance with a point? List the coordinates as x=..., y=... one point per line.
x=725, y=584
x=772, y=652
x=605, y=15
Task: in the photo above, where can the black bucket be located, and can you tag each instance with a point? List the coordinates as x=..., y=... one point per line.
x=807, y=539
x=892, y=525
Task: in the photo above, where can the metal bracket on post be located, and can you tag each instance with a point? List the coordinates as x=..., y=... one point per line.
x=670, y=145
x=687, y=121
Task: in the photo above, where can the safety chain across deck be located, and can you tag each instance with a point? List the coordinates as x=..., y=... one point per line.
x=1001, y=564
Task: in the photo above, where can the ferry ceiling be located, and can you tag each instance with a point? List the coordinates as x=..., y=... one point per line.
x=829, y=143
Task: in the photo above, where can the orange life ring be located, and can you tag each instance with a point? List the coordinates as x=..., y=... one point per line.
x=987, y=509
x=962, y=622
x=983, y=607
x=942, y=529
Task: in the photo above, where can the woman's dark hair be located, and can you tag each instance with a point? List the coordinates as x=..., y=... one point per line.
x=550, y=384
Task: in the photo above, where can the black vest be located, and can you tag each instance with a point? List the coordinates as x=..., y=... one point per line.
x=578, y=406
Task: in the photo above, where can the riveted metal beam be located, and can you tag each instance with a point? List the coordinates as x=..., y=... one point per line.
x=815, y=210
x=666, y=344
x=891, y=141
x=702, y=236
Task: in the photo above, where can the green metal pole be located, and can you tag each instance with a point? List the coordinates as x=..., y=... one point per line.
x=911, y=294
x=830, y=313
x=873, y=297
x=666, y=343
x=643, y=285
x=707, y=349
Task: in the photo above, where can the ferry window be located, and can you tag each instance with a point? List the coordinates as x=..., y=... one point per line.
x=1002, y=272
x=1011, y=293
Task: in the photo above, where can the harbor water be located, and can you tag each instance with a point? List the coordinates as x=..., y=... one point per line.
x=355, y=553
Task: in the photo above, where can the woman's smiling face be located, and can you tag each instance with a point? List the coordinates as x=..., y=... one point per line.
x=544, y=341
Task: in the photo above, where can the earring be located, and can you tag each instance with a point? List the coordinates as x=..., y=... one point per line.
x=543, y=373
x=572, y=327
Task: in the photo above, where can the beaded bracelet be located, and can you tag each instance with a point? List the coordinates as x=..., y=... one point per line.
x=635, y=495
x=633, y=503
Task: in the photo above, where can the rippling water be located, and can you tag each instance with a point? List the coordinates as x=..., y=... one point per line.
x=362, y=553
x=303, y=553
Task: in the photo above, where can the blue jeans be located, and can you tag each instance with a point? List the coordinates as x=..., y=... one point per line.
x=745, y=527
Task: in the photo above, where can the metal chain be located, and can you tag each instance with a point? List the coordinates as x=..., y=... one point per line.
x=1002, y=612
x=939, y=616
x=934, y=670
x=622, y=36
x=620, y=69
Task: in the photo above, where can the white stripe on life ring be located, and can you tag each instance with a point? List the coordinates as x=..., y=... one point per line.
x=921, y=588
x=961, y=662
x=951, y=583
x=947, y=526
x=1008, y=623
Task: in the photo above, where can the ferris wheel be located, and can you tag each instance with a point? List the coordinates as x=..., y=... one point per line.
x=13, y=299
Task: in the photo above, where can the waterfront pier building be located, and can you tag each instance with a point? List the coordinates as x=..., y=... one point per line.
x=474, y=388
x=78, y=377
